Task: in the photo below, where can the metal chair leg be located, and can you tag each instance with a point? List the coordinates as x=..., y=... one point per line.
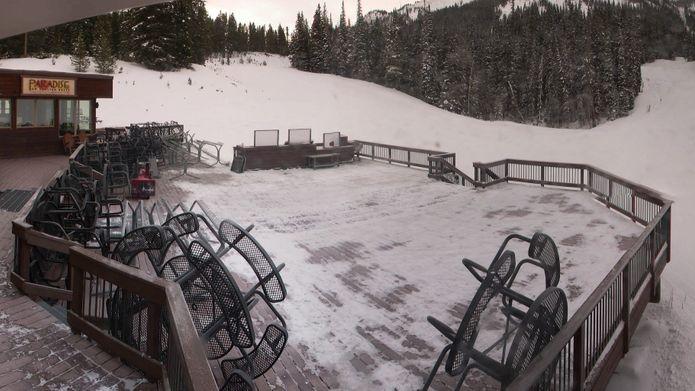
x=433, y=373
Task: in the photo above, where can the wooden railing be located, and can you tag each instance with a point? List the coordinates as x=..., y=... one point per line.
x=411, y=157
x=638, y=202
x=166, y=348
x=445, y=171
x=76, y=162
x=172, y=355
x=139, y=317
x=589, y=347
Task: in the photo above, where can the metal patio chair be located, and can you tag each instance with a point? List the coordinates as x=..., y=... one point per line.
x=221, y=315
x=542, y=253
x=142, y=240
x=457, y=353
x=247, y=246
x=544, y=319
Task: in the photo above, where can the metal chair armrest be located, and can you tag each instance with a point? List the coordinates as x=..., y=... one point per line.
x=474, y=267
x=493, y=368
x=516, y=296
x=442, y=328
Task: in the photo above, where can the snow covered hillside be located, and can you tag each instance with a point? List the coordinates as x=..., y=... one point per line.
x=655, y=146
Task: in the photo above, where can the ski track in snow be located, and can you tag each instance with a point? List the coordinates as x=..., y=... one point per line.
x=654, y=146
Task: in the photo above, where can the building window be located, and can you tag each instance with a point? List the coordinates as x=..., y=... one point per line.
x=35, y=113
x=5, y=113
x=75, y=116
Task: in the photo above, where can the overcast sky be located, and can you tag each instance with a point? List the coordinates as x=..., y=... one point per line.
x=285, y=11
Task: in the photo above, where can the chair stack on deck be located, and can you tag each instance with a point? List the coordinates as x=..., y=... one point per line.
x=87, y=204
x=188, y=248
x=71, y=207
x=530, y=323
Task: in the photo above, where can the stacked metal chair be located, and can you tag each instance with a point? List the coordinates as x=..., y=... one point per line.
x=462, y=341
x=221, y=312
x=518, y=308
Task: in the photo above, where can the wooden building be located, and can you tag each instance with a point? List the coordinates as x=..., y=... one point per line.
x=38, y=107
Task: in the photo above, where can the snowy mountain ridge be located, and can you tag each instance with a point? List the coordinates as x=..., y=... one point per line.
x=413, y=9
x=506, y=7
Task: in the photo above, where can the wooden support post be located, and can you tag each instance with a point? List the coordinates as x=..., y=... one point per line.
x=389, y=155
x=23, y=257
x=578, y=363
x=154, y=328
x=626, y=310
x=634, y=204
x=77, y=303
x=408, y=158
x=542, y=175
x=610, y=193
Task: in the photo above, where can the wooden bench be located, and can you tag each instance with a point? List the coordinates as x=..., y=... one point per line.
x=322, y=160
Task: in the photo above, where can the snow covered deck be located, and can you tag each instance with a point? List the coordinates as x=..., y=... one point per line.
x=372, y=249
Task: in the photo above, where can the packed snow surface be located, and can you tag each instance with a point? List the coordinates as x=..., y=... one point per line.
x=372, y=249
x=654, y=146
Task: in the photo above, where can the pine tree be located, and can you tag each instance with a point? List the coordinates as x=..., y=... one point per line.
x=282, y=41
x=300, y=49
x=317, y=42
x=219, y=35
x=429, y=88
x=342, y=48
x=103, y=56
x=79, y=58
x=360, y=58
x=393, y=53
x=183, y=14
x=231, y=40
x=153, y=37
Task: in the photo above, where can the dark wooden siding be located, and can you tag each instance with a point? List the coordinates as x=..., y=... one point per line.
x=10, y=85
x=288, y=156
x=29, y=142
x=94, y=88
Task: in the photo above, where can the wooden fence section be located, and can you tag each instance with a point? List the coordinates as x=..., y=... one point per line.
x=638, y=202
x=411, y=157
x=138, y=317
x=589, y=347
x=75, y=161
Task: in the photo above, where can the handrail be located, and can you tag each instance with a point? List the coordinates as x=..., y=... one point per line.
x=430, y=151
x=411, y=157
x=186, y=365
x=75, y=161
x=439, y=167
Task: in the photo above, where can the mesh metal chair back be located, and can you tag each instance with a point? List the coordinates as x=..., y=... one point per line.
x=258, y=362
x=175, y=228
x=256, y=256
x=543, y=249
x=221, y=302
x=498, y=274
x=183, y=224
x=151, y=238
x=128, y=318
x=545, y=318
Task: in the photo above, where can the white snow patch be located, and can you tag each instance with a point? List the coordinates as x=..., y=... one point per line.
x=653, y=146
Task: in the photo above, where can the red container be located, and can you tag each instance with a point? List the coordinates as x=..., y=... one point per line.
x=143, y=186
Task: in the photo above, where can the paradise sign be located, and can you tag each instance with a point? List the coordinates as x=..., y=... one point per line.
x=47, y=86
